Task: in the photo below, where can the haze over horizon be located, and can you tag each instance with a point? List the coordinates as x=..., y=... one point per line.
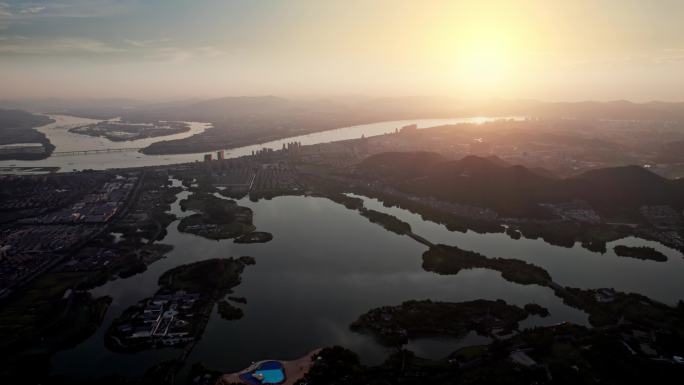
x=336, y=192
x=544, y=50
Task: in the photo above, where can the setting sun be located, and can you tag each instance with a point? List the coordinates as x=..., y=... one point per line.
x=483, y=69
x=436, y=192
x=486, y=46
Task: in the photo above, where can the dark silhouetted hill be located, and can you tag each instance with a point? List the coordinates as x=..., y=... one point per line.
x=401, y=165
x=615, y=189
x=21, y=119
x=105, y=108
x=517, y=190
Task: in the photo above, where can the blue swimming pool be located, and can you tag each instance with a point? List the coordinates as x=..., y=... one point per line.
x=271, y=376
x=269, y=372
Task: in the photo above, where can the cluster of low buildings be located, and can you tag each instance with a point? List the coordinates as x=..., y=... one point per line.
x=575, y=211
x=90, y=259
x=43, y=192
x=235, y=176
x=166, y=318
x=662, y=217
x=96, y=207
x=152, y=197
x=27, y=251
x=668, y=224
x=275, y=177
x=336, y=155
x=644, y=342
x=265, y=172
x=457, y=209
x=41, y=239
x=58, y=214
x=17, y=268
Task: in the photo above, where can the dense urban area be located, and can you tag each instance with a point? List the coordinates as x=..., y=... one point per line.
x=57, y=234
x=64, y=234
x=433, y=192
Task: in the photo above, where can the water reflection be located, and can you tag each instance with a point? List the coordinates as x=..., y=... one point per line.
x=575, y=266
x=440, y=348
x=65, y=141
x=325, y=267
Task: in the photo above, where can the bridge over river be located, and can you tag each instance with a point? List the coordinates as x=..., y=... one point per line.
x=97, y=151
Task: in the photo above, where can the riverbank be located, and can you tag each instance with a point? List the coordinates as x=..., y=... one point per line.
x=19, y=138
x=66, y=141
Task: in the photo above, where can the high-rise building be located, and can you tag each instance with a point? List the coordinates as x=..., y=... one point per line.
x=207, y=157
x=219, y=155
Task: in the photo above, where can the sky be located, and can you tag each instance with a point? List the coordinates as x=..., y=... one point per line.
x=558, y=50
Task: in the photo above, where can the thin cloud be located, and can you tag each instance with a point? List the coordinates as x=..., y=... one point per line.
x=33, y=10
x=5, y=16
x=146, y=42
x=671, y=56
x=177, y=54
x=27, y=46
x=150, y=49
x=88, y=8
x=155, y=49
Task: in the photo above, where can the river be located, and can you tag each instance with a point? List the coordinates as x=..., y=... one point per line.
x=64, y=141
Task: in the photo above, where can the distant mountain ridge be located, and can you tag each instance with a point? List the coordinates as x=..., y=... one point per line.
x=610, y=110
x=216, y=109
x=423, y=107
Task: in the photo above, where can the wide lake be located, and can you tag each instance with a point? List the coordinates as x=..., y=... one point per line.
x=327, y=265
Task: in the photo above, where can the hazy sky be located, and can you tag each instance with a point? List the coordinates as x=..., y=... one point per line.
x=545, y=49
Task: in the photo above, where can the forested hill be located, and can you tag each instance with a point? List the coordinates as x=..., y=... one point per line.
x=518, y=191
